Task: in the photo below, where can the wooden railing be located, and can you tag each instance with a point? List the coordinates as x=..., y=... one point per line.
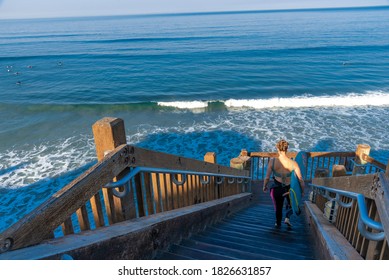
x=345, y=212
x=89, y=202
x=316, y=160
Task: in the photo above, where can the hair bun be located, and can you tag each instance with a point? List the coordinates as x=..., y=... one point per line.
x=282, y=145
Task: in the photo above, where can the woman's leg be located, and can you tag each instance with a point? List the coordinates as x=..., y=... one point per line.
x=278, y=201
x=288, y=207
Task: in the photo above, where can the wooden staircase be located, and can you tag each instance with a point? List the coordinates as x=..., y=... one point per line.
x=247, y=235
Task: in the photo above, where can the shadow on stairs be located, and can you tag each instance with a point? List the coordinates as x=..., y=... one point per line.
x=247, y=235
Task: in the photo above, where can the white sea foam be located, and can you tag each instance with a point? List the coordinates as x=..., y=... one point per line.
x=185, y=104
x=23, y=167
x=350, y=100
x=370, y=98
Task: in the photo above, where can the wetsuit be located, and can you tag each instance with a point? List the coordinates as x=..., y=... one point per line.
x=277, y=194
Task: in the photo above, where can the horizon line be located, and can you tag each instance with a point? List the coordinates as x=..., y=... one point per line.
x=205, y=13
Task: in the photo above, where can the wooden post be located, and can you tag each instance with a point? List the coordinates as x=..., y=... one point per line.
x=214, y=189
x=338, y=170
x=359, y=167
x=210, y=157
x=321, y=172
x=243, y=161
x=320, y=201
x=109, y=133
x=237, y=163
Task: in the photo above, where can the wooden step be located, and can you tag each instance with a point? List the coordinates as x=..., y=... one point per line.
x=246, y=235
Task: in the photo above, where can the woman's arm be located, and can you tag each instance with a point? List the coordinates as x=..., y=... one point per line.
x=268, y=174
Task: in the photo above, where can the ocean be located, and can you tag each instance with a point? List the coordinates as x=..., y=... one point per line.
x=186, y=84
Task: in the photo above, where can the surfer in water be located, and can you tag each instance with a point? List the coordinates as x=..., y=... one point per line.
x=281, y=168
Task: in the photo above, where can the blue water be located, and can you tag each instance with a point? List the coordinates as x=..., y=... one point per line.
x=186, y=84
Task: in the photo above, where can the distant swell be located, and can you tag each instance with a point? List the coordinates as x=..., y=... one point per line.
x=349, y=100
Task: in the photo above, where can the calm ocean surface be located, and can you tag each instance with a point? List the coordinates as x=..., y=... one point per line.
x=186, y=84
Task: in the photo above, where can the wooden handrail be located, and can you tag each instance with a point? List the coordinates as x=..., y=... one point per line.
x=271, y=154
x=380, y=194
x=41, y=222
x=148, y=158
x=358, y=184
x=374, y=162
x=311, y=154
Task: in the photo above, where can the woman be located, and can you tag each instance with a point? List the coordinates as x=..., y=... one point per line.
x=282, y=168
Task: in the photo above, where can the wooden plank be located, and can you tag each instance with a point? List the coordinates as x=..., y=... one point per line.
x=380, y=194
x=149, y=193
x=271, y=154
x=167, y=192
x=67, y=227
x=190, y=189
x=97, y=210
x=328, y=237
x=143, y=157
x=83, y=219
x=109, y=205
x=37, y=225
x=384, y=254
x=354, y=228
x=359, y=184
x=156, y=192
x=387, y=169
x=373, y=250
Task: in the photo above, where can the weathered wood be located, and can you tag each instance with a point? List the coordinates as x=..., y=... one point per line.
x=374, y=162
x=330, y=243
x=271, y=154
x=135, y=239
x=83, y=219
x=387, y=169
x=380, y=193
x=359, y=166
x=109, y=133
x=148, y=193
x=67, y=226
x=241, y=163
x=210, y=157
x=359, y=184
x=143, y=157
x=321, y=172
x=355, y=231
x=338, y=170
x=97, y=210
x=38, y=225
x=373, y=249
x=362, y=149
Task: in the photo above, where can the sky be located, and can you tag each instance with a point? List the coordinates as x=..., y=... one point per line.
x=74, y=8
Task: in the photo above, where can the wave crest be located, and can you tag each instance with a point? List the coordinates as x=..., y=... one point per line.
x=371, y=98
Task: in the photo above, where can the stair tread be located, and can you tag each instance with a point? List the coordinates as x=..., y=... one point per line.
x=247, y=234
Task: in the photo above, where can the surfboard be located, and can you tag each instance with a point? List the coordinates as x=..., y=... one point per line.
x=295, y=188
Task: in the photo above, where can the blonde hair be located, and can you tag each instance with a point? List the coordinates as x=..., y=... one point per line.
x=282, y=145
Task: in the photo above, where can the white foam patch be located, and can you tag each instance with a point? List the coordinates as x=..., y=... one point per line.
x=23, y=167
x=191, y=105
x=350, y=100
